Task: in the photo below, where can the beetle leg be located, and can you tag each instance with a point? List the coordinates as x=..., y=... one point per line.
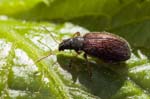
x=76, y=34
x=78, y=52
x=88, y=66
x=70, y=63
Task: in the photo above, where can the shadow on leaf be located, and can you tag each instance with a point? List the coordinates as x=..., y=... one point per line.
x=106, y=80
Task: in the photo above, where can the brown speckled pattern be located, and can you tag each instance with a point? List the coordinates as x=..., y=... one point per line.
x=106, y=46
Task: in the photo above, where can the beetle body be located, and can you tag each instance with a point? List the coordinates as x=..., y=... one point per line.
x=103, y=45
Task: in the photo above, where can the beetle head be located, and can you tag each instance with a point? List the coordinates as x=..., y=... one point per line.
x=66, y=44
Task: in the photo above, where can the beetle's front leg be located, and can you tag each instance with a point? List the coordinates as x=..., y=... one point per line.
x=76, y=34
x=88, y=66
x=70, y=63
x=78, y=52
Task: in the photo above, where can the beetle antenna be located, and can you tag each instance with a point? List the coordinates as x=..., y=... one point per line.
x=38, y=60
x=51, y=34
x=43, y=58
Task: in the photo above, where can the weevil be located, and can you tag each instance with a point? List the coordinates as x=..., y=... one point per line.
x=103, y=45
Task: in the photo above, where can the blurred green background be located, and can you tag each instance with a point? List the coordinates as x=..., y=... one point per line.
x=24, y=39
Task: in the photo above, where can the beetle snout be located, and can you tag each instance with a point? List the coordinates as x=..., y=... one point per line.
x=61, y=46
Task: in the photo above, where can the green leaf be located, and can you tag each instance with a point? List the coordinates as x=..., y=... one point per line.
x=23, y=41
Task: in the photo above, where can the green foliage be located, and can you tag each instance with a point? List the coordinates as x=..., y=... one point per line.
x=24, y=39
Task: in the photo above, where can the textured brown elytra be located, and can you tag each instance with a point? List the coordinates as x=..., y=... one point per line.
x=103, y=45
